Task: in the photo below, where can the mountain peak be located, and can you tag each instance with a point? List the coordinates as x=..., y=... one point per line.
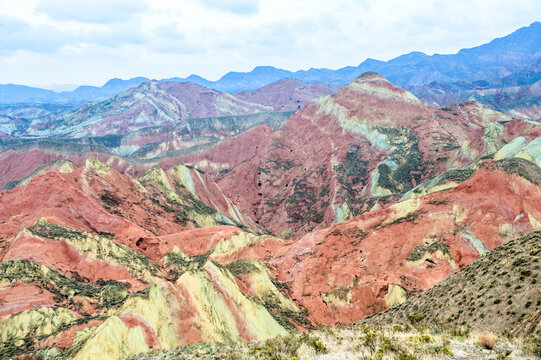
x=369, y=76
x=264, y=68
x=373, y=84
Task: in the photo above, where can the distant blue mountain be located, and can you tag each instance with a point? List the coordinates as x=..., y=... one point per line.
x=15, y=94
x=111, y=87
x=516, y=53
x=501, y=57
x=11, y=93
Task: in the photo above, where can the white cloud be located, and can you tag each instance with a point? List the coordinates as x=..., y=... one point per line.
x=62, y=41
x=241, y=7
x=94, y=11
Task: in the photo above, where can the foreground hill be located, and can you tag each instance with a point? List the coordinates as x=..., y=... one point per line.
x=497, y=293
x=378, y=259
x=338, y=155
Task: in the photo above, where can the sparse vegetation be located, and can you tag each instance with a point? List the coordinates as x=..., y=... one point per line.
x=361, y=341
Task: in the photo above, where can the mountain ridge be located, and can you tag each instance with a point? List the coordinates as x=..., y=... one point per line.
x=412, y=69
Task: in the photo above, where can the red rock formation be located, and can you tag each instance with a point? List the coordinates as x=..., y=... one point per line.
x=336, y=155
x=345, y=272
x=151, y=104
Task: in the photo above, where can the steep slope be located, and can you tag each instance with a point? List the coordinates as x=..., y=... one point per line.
x=192, y=135
x=95, y=263
x=132, y=153
x=380, y=258
x=337, y=156
x=183, y=196
x=168, y=104
x=498, y=292
x=21, y=160
x=182, y=183
x=105, y=265
x=60, y=165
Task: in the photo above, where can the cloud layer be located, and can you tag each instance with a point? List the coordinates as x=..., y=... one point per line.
x=87, y=42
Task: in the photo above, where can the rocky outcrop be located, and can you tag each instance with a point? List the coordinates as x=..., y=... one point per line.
x=98, y=263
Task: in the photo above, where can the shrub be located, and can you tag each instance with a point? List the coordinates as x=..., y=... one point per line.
x=415, y=318
x=486, y=341
x=406, y=356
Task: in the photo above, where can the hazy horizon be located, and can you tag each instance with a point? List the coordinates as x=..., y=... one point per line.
x=49, y=43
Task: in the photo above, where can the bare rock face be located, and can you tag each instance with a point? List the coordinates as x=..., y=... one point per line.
x=342, y=155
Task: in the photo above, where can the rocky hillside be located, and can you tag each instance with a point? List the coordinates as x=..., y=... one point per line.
x=150, y=104
x=340, y=155
x=89, y=252
x=497, y=293
x=20, y=161
x=376, y=198
x=132, y=153
x=380, y=258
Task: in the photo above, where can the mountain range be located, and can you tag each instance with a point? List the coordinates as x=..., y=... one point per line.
x=511, y=57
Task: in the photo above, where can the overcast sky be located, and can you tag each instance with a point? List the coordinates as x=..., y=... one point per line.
x=45, y=42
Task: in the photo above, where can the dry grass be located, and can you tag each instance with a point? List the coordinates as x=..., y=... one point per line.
x=385, y=342
x=487, y=341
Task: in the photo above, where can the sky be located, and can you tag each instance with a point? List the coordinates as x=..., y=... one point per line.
x=48, y=42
